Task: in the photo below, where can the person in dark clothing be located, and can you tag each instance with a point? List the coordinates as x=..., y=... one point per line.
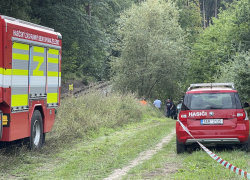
x=246, y=104
x=169, y=107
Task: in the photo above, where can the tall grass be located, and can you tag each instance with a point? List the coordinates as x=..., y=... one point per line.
x=77, y=117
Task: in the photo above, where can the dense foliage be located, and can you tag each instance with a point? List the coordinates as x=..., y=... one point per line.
x=154, y=48
x=86, y=27
x=220, y=52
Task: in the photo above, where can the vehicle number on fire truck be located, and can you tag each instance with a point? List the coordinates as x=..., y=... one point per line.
x=211, y=121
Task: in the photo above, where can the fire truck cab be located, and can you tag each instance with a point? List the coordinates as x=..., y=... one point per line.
x=30, y=80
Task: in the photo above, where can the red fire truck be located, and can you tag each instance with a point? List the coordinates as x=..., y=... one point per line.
x=30, y=80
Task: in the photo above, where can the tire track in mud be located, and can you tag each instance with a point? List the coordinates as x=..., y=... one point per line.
x=145, y=155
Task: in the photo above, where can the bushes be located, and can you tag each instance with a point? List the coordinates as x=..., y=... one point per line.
x=77, y=117
x=237, y=71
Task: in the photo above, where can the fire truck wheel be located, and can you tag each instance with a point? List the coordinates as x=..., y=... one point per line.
x=36, y=133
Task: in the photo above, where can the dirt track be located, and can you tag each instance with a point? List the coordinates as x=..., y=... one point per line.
x=145, y=155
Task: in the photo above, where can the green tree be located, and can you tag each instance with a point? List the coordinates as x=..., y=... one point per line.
x=20, y=9
x=76, y=25
x=229, y=34
x=190, y=19
x=211, y=8
x=87, y=23
x=107, y=12
x=152, y=50
x=237, y=70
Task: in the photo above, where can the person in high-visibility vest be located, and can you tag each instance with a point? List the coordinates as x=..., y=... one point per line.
x=143, y=102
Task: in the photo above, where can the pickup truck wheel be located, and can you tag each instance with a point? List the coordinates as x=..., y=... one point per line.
x=180, y=148
x=246, y=146
x=36, y=138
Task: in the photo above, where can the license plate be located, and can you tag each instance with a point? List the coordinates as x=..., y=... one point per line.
x=211, y=121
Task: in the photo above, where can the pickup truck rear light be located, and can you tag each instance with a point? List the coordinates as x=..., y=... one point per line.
x=182, y=117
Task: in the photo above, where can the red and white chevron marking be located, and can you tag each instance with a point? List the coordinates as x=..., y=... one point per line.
x=217, y=158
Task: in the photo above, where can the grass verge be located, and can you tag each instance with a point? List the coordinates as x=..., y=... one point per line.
x=197, y=164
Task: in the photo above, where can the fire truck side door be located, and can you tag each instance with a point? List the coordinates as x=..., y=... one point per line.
x=19, y=75
x=53, y=77
x=38, y=72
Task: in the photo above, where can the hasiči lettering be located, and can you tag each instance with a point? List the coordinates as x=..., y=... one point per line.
x=192, y=114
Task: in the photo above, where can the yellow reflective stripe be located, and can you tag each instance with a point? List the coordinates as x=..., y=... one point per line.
x=52, y=98
x=38, y=49
x=52, y=73
x=25, y=72
x=20, y=56
x=21, y=46
x=59, y=74
x=19, y=100
x=20, y=72
x=54, y=51
x=53, y=60
x=14, y=72
x=7, y=71
x=37, y=72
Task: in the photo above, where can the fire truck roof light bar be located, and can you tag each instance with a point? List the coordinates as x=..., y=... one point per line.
x=192, y=86
x=28, y=23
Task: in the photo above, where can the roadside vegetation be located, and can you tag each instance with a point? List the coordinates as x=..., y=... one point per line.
x=79, y=117
x=195, y=164
x=92, y=135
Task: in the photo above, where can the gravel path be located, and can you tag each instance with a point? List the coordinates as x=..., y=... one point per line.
x=145, y=155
